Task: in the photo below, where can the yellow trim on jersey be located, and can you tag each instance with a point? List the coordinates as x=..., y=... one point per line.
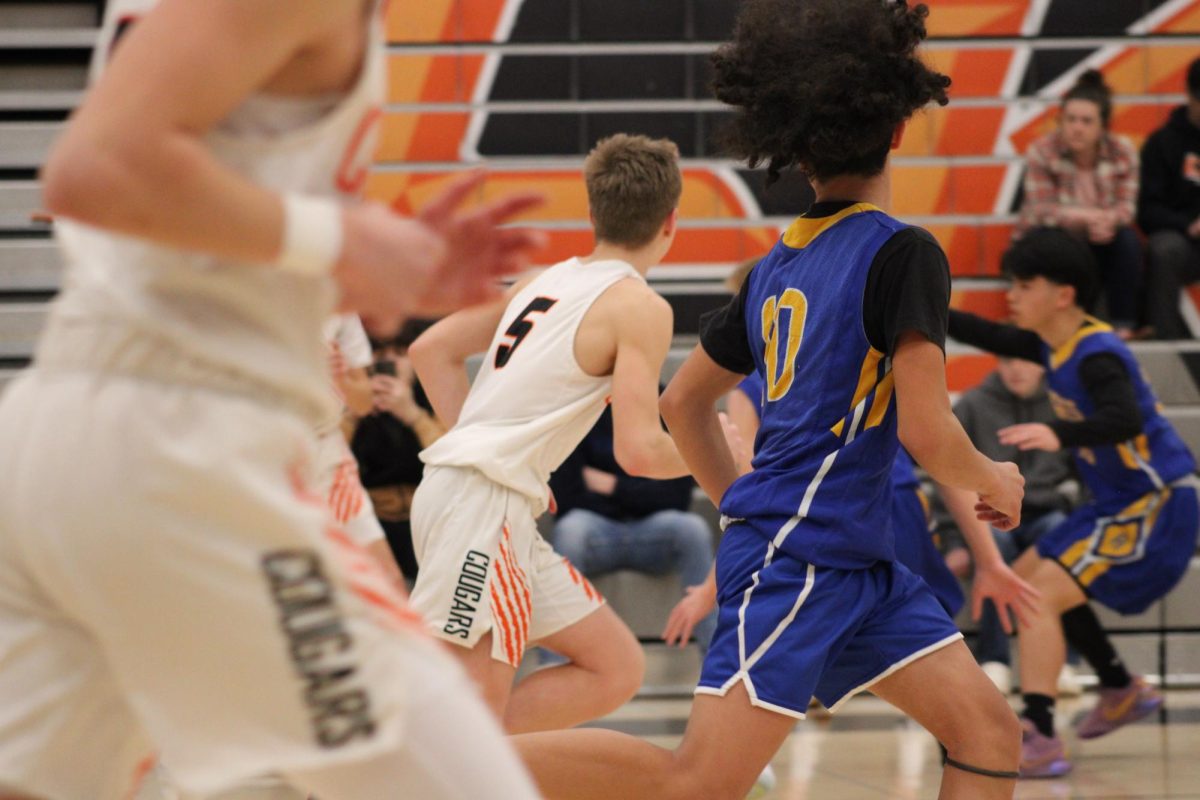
x=804, y=230
x=883, y=399
x=866, y=382
x=1142, y=445
x=1092, y=572
x=1063, y=353
x=1072, y=554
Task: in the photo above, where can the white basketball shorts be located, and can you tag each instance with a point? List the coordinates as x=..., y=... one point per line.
x=169, y=574
x=485, y=567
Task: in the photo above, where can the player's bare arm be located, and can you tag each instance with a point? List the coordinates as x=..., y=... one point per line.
x=439, y=355
x=689, y=407
x=936, y=439
x=133, y=159
x=641, y=323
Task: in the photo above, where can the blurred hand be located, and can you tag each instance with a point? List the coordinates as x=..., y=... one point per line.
x=697, y=603
x=1008, y=591
x=1102, y=227
x=958, y=561
x=394, y=395
x=1000, y=507
x=1194, y=229
x=1030, y=436
x=337, y=361
x=392, y=267
x=735, y=441
x=599, y=481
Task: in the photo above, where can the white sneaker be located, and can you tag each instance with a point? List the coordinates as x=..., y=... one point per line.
x=765, y=783
x=1068, y=682
x=999, y=674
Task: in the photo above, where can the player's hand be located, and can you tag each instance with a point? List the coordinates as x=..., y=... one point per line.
x=697, y=603
x=1008, y=591
x=1000, y=506
x=337, y=361
x=599, y=482
x=478, y=251
x=735, y=441
x=1030, y=436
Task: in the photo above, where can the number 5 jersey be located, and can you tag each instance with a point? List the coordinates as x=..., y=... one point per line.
x=531, y=403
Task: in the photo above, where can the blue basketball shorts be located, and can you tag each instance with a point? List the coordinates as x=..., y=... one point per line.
x=1132, y=557
x=789, y=630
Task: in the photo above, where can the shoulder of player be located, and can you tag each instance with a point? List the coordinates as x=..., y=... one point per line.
x=911, y=244
x=633, y=306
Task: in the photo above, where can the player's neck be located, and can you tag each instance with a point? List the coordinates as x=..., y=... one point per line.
x=1059, y=328
x=641, y=260
x=876, y=189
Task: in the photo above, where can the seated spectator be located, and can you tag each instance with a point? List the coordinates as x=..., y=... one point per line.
x=1169, y=211
x=1084, y=179
x=1016, y=394
x=388, y=439
x=607, y=520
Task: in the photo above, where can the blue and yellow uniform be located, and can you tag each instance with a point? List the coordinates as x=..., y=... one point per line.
x=811, y=601
x=915, y=544
x=1132, y=543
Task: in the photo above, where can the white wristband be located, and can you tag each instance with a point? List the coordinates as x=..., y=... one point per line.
x=312, y=234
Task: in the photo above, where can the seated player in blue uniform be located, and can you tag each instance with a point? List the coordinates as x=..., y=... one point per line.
x=1133, y=540
x=845, y=319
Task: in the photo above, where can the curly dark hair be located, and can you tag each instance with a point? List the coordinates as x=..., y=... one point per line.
x=1090, y=86
x=823, y=84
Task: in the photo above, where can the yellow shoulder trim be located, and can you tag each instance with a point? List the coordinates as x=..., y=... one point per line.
x=1093, y=326
x=801, y=233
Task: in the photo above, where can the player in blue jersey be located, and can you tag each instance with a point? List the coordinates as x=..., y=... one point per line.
x=845, y=319
x=915, y=545
x=1134, y=539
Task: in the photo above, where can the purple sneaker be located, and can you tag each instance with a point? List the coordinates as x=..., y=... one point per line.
x=1119, y=707
x=1041, y=756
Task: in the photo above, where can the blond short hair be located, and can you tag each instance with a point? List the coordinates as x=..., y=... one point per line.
x=633, y=185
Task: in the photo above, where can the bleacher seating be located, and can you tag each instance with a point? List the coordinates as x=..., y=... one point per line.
x=527, y=86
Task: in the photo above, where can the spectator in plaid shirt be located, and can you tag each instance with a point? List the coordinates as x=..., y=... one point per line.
x=1083, y=178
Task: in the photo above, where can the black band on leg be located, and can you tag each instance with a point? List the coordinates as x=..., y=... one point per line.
x=987, y=773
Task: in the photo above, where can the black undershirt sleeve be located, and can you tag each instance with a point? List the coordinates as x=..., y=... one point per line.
x=994, y=337
x=723, y=334
x=908, y=289
x=1117, y=417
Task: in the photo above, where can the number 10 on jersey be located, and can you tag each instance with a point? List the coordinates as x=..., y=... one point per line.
x=795, y=304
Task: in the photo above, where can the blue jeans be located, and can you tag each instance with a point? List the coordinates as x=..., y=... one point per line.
x=992, y=644
x=662, y=543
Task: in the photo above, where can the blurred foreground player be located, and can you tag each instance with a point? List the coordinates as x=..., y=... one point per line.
x=169, y=578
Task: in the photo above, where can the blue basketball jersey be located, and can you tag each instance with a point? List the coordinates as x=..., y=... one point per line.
x=821, y=489
x=1116, y=474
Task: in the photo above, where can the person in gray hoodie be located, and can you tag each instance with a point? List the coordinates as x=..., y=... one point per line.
x=1016, y=393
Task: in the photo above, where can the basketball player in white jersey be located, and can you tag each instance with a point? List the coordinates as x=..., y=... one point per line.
x=582, y=333
x=337, y=470
x=169, y=578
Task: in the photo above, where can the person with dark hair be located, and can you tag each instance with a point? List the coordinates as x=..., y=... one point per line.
x=844, y=320
x=1084, y=179
x=1169, y=211
x=1133, y=540
x=388, y=437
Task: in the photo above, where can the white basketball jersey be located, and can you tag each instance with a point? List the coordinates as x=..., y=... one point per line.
x=258, y=323
x=531, y=403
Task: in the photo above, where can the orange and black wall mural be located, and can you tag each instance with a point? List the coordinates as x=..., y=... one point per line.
x=528, y=86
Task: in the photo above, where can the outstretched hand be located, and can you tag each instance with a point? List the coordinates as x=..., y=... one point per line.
x=697, y=603
x=1008, y=591
x=1030, y=436
x=393, y=267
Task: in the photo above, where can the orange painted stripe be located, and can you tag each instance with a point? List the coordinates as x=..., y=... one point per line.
x=139, y=775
